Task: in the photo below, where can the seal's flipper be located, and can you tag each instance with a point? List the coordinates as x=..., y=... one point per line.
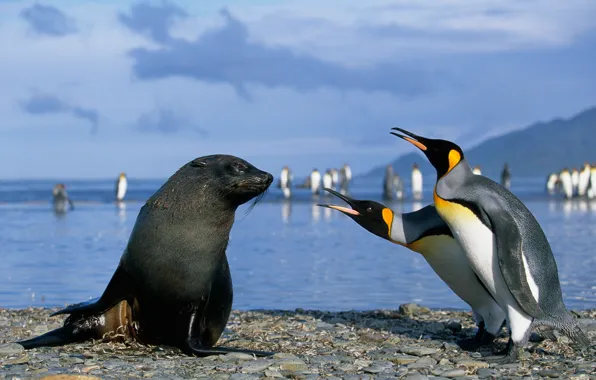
x=58, y=337
x=510, y=255
x=119, y=288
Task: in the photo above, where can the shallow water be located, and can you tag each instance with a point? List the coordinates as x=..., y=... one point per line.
x=282, y=254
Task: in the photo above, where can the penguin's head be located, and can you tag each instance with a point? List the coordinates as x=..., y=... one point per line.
x=371, y=215
x=442, y=154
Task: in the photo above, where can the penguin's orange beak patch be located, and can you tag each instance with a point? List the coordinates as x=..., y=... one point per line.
x=417, y=144
x=344, y=210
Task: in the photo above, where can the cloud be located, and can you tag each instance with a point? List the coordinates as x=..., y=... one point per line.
x=165, y=121
x=43, y=104
x=225, y=55
x=153, y=21
x=48, y=20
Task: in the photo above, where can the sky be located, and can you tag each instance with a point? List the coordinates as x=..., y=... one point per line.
x=92, y=88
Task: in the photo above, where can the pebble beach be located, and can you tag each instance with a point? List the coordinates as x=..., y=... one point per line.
x=413, y=342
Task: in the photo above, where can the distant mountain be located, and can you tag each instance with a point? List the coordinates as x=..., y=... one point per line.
x=533, y=151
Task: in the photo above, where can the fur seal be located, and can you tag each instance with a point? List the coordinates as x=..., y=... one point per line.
x=173, y=285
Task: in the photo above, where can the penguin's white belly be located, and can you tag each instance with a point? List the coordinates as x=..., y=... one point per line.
x=450, y=263
x=478, y=241
x=121, y=190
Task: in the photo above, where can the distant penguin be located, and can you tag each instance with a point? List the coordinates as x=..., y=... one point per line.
x=584, y=180
x=416, y=182
x=389, y=190
x=551, y=183
x=425, y=232
x=566, y=183
x=285, y=182
x=315, y=182
x=477, y=170
x=335, y=178
x=506, y=177
x=121, y=186
x=61, y=201
x=593, y=180
x=398, y=184
x=328, y=179
x=504, y=244
x=574, y=180
x=345, y=176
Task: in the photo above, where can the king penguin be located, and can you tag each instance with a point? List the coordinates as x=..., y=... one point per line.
x=424, y=232
x=121, y=186
x=551, y=183
x=503, y=242
x=566, y=183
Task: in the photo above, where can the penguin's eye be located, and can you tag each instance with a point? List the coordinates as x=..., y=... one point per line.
x=369, y=209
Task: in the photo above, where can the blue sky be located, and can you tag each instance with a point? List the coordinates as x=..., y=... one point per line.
x=92, y=88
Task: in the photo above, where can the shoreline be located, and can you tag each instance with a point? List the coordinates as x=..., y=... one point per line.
x=413, y=342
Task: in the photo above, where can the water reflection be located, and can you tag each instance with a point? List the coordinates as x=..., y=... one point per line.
x=121, y=211
x=315, y=212
x=326, y=213
x=286, y=211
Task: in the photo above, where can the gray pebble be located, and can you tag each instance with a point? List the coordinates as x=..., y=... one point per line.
x=418, y=351
x=454, y=373
x=10, y=349
x=486, y=372
x=237, y=356
x=425, y=362
x=256, y=366
x=378, y=367
x=415, y=376
x=357, y=377
x=549, y=373
x=242, y=376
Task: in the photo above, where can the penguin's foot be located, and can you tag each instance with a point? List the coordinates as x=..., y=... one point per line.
x=509, y=354
x=481, y=339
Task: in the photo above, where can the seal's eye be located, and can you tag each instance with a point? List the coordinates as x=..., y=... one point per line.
x=238, y=166
x=369, y=209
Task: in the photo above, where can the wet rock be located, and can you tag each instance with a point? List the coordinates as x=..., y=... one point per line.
x=454, y=325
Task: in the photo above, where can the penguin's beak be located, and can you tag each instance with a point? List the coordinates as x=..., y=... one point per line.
x=345, y=210
x=410, y=137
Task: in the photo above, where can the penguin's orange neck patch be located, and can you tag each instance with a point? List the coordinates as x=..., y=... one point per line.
x=454, y=159
x=388, y=218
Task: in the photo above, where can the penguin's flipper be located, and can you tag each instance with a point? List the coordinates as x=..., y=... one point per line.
x=58, y=337
x=510, y=255
x=119, y=288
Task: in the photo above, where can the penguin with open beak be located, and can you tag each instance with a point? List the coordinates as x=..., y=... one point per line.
x=503, y=242
x=424, y=232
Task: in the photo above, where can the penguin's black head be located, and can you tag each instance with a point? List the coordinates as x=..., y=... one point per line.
x=371, y=215
x=442, y=154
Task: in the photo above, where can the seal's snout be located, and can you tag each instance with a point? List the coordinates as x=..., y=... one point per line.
x=266, y=179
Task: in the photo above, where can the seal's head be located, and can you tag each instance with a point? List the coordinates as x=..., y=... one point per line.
x=221, y=179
